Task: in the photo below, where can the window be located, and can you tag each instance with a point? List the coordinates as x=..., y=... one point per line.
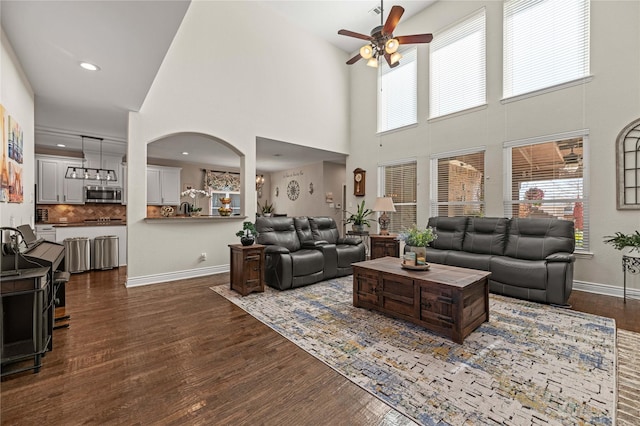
x=546, y=179
x=457, y=184
x=546, y=43
x=628, y=161
x=458, y=67
x=399, y=182
x=398, y=93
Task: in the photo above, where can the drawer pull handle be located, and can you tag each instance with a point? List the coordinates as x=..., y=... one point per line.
x=252, y=258
x=445, y=299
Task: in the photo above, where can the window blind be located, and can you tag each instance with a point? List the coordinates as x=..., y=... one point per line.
x=543, y=184
x=458, y=184
x=458, y=67
x=546, y=42
x=398, y=92
x=400, y=183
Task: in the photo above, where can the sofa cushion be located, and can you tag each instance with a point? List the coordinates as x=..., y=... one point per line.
x=469, y=260
x=486, y=235
x=535, y=239
x=518, y=273
x=278, y=231
x=450, y=231
x=307, y=261
x=303, y=228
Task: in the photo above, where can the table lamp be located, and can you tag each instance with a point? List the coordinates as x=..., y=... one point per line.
x=384, y=205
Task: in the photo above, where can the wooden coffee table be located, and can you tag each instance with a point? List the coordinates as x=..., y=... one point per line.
x=447, y=300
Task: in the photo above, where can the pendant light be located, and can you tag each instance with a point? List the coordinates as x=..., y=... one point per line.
x=108, y=175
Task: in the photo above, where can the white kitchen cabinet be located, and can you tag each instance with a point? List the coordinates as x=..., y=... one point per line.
x=163, y=185
x=53, y=188
x=94, y=160
x=92, y=232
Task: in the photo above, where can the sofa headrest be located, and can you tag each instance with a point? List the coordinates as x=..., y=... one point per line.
x=486, y=235
x=324, y=229
x=450, y=231
x=303, y=228
x=278, y=231
x=535, y=239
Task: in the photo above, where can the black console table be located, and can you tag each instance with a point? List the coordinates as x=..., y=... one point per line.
x=629, y=264
x=26, y=316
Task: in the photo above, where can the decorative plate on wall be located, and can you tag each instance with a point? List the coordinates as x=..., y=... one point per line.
x=293, y=190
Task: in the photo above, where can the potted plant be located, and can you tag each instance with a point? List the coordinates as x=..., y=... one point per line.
x=359, y=218
x=248, y=233
x=621, y=241
x=417, y=240
x=266, y=209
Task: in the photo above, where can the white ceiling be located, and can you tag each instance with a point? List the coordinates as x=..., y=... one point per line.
x=128, y=40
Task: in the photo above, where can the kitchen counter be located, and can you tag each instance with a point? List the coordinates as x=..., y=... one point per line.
x=179, y=219
x=78, y=224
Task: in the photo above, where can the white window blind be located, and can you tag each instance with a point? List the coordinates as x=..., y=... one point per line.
x=458, y=67
x=398, y=92
x=546, y=42
x=547, y=180
x=399, y=181
x=458, y=184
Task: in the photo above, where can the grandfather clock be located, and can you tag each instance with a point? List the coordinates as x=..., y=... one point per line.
x=359, y=182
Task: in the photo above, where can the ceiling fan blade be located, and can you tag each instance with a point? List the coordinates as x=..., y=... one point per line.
x=393, y=19
x=417, y=38
x=354, y=59
x=356, y=35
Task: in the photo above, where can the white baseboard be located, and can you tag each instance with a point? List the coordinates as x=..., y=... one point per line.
x=174, y=276
x=605, y=289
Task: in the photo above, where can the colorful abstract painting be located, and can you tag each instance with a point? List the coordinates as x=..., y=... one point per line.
x=4, y=160
x=11, y=182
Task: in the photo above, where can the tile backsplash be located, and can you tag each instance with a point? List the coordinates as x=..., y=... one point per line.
x=79, y=213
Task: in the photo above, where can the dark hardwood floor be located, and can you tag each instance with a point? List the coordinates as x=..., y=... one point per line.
x=178, y=353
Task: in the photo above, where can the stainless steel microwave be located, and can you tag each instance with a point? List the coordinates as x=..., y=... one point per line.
x=103, y=194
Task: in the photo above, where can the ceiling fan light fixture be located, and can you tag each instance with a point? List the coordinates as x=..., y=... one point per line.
x=391, y=46
x=395, y=58
x=366, y=51
x=372, y=62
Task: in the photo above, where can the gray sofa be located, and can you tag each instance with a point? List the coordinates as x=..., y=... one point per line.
x=305, y=250
x=528, y=258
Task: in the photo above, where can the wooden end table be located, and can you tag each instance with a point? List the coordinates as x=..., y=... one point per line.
x=247, y=268
x=384, y=245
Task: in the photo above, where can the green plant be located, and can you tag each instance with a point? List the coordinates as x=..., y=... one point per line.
x=620, y=240
x=248, y=228
x=360, y=216
x=194, y=209
x=417, y=237
x=266, y=207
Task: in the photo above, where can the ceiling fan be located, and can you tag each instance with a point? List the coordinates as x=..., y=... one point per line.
x=382, y=42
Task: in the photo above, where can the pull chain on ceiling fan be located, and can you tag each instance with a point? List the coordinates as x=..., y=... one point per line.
x=382, y=42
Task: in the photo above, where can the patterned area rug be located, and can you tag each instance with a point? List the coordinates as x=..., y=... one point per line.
x=529, y=364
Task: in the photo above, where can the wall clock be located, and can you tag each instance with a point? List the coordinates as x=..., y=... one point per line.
x=293, y=190
x=359, y=182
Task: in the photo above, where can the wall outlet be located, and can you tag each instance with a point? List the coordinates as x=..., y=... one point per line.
x=203, y=256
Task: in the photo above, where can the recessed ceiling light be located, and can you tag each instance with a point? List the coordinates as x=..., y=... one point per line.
x=185, y=153
x=89, y=66
x=61, y=145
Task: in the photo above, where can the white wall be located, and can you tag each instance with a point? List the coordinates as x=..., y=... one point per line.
x=271, y=81
x=16, y=95
x=604, y=106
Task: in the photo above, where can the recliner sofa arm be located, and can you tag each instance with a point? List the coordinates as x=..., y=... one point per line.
x=560, y=257
x=311, y=244
x=272, y=249
x=350, y=241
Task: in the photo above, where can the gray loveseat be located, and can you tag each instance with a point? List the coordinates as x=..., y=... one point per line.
x=305, y=250
x=528, y=258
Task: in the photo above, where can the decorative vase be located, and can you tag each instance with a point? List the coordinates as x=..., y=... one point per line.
x=357, y=228
x=266, y=214
x=247, y=240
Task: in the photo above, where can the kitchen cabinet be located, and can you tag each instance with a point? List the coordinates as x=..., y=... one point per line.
x=92, y=232
x=163, y=185
x=95, y=160
x=47, y=232
x=53, y=188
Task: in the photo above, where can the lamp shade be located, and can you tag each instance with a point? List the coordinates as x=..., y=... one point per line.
x=384, y=204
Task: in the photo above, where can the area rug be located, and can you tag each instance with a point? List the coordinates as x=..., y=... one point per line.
x=530, y=364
